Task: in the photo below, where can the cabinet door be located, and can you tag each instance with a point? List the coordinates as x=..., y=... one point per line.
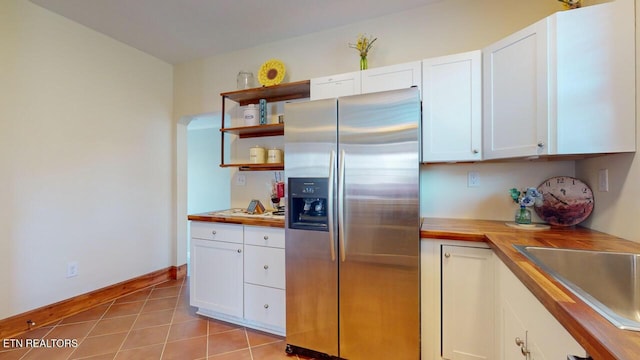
x=515, y=342
x=467, y=303
x=452, y=108
x=217, y=276
x=521, y=315
x=392, y=77
x=594, y=99
x=335, y=86
x=515, y=94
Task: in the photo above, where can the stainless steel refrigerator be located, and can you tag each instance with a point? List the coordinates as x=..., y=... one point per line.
x=353, y=226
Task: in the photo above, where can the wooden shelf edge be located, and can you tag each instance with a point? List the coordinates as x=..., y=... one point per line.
x=281, y=92
x=256, y=167
x=256, y=131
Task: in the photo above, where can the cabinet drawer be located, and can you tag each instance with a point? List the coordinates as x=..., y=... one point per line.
x=264, y=305
x=264, y=236
x=264, y=266
x=216, y=231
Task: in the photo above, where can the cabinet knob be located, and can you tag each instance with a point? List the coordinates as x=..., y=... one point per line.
x=213, y=232
x=266, y=267
x=540, y=144
x=266, y=306
x=475, y=151
x=239, y=251
x=447, y=255
x=523, y=347
x=266, y=237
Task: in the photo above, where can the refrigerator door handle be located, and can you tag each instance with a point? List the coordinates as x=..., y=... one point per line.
x=332, y=174
x=341, y=205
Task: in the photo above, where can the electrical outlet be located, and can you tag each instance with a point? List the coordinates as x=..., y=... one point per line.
x=241, y=180
x=603, y=180
x=473, y=179
x=72, y=269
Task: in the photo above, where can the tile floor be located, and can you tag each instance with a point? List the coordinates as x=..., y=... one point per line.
x=154, y=323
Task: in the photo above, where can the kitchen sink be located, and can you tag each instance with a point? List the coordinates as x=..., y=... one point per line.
x=609, y=282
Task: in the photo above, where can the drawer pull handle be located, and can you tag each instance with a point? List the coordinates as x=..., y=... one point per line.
x=447, y=255
x=266, y=267
x=239, y=251
x=266, y=306
x=266, y=237
x=213, y=232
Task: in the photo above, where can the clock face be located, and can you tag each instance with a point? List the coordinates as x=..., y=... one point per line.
x=567, y=201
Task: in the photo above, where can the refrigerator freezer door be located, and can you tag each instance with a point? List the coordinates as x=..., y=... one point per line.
x=379, y=277
x=312, y=267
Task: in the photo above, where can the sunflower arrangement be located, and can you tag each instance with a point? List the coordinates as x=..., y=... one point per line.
x=271, y=72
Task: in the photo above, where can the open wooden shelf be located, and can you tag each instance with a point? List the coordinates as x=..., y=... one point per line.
x=256, y=131
x=275, y=93
x=281, y=92
x=256, y=167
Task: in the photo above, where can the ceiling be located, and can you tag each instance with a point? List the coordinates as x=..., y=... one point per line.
x=181, y=30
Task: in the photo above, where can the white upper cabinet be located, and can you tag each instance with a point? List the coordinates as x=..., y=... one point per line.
x=515, y=94
x=564, y=85
x=452, y=108
x=393, y=77
x=334, y=86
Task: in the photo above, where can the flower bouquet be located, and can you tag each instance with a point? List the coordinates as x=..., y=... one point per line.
x=525, y=198
x=363, y=45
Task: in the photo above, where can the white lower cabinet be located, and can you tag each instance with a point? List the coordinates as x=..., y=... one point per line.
x=216, y=276
x=526, y=330
x=264, y=284
x=457, y=300
x=473, y=307
x=467, y=303
x=240, y=276
x=265, y=305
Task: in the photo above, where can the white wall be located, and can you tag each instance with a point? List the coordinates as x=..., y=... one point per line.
x=445, y=192
x=208, y=184
x=86, y=159
x=445, y=27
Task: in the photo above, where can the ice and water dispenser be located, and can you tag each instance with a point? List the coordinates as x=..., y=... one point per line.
x=308, y=203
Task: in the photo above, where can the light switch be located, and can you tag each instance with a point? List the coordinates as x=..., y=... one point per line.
x=241, y=180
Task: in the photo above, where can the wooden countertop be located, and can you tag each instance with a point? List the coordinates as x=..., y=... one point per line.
x=255, y=221
x=599, y=337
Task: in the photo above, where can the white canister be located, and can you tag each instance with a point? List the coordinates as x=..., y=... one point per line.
x=251, y=115
x=257, y=155
x=274, y=156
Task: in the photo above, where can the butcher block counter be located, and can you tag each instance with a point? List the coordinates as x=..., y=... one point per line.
x=229, y=217
x=599, y=337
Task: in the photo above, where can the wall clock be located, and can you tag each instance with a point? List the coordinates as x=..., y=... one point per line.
x=567, y=201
